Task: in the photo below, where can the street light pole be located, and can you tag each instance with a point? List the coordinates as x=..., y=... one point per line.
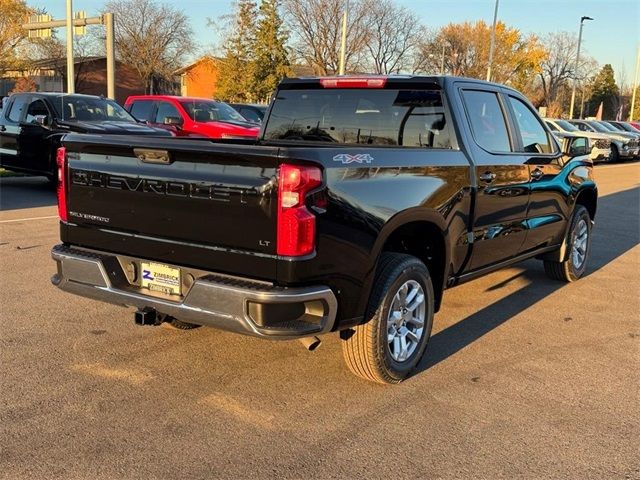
x=493, y=40
x=70, y=73
x=575, y=69
x=444, y=47
x=343, y=40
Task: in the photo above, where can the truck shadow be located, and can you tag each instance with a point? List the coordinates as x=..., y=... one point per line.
x=617, y=231
x=25, y=192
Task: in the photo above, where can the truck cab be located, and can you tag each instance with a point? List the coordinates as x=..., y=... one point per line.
x=191, y=117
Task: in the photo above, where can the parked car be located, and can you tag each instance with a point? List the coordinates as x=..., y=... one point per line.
x=31, y=125
x=252, y=112
x=623, y=146
x=600, y=142
x=635, y=125
x=191, y=117
x=361, y=202
x=624, y=127
x=614, y=129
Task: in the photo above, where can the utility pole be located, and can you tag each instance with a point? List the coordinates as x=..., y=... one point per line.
x=71, y=77
x=635, y=86
x=444, y=46
x=575, y=69
x=343, y=40
x=107, y=19
x=493, y=40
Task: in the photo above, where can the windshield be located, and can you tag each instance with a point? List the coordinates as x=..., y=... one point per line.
x=628, y=128
x=89, y=109
x=609, y=127
x=414, y=118
x=598, y=127
x=210, y=111
x=566, y=126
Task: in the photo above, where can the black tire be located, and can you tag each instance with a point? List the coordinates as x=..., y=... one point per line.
x=368, y=351
x=615, y=155
x=176, y=324
x=570, y=270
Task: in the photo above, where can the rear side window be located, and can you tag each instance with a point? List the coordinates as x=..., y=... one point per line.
x=141, y=109
x=487, y=120
x=410, y=118
x=15, y=112
x=533, y=135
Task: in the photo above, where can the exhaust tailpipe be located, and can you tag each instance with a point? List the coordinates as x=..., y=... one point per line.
x=310, y=343
x=146, y=316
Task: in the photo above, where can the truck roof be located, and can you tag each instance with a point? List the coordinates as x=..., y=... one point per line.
x=378, y=81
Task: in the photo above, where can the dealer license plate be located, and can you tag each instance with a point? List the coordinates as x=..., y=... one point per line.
x=161, y=278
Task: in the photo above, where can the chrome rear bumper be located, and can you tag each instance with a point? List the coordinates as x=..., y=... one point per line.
x=227, y=303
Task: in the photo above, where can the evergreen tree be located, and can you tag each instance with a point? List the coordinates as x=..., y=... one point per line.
x=271, y=62
x=236, y=75
x=604, y=89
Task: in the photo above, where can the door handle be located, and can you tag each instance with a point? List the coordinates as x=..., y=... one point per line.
x=487, y=177
x=3, y=128
x=537, y=174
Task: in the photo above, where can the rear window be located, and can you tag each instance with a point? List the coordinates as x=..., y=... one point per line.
x=410, y=118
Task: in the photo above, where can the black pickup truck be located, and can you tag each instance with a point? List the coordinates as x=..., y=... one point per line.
x=32, y=124
x=362, y=200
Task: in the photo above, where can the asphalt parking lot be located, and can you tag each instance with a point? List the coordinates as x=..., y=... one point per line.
x=524, y=377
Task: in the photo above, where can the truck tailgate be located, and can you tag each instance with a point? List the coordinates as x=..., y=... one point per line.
x=174, y=200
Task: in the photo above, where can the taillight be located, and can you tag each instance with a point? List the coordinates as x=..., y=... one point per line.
x=296, y=224
x=353, y=82
x=61, y=161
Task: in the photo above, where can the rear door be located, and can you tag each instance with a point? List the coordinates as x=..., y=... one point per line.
x=502, y=177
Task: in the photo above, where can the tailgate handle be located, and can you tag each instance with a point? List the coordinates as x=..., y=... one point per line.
x=149, y=155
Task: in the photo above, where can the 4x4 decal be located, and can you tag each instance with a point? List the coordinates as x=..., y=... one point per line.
x=347, y=158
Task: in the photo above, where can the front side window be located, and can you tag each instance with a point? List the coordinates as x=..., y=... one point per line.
x=165, y=109
x=37, y=108
x=211, y=111
x=533, y=135
x=487, y=120
x=391, y=117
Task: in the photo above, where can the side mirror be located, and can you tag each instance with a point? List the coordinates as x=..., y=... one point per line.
x=576, y=146
x=41, y=120
x=173, y=121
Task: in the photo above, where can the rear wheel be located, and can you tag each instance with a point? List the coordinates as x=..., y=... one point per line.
x=400, y=315
x=578, y=246
x=615, y=155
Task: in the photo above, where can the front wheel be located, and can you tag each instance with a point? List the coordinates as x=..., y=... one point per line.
x=400, y=315
x=579, y=247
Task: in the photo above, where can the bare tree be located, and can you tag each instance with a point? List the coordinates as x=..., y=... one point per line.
x=316, y=26
x=393, y=36
x=558, y=67
x=152, y=38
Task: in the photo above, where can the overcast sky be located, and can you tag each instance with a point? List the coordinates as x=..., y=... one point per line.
x=612, y=37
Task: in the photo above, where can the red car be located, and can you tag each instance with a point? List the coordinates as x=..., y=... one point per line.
x=189, y=117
